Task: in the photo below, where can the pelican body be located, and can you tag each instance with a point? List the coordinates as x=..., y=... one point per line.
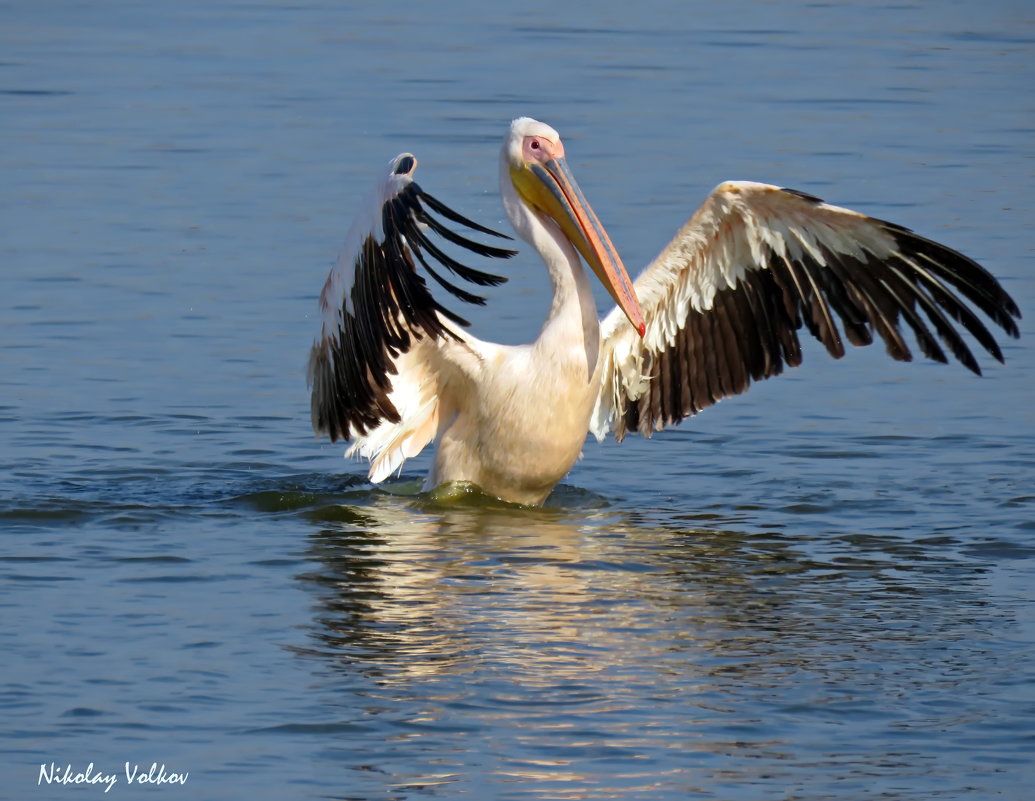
x=393, y=370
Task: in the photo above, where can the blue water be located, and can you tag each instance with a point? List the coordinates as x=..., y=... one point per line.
x=819, y=590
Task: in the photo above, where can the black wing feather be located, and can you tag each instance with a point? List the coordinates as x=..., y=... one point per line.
x=388, y=308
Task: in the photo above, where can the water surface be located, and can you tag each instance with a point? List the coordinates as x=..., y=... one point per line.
x=818, y=590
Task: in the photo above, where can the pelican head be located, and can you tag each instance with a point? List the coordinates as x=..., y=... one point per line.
x=533, y=161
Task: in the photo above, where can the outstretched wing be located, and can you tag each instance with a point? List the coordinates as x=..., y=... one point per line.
x=377, y=308
x=724, y=302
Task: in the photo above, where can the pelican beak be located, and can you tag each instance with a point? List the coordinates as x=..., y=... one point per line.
x=550, y=188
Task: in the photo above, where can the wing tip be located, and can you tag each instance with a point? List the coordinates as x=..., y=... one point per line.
x=404, y=164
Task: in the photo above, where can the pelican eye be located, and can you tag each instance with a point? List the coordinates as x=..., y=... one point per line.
x=535, y=144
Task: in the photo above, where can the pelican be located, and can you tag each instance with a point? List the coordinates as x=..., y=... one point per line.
x=393, y=370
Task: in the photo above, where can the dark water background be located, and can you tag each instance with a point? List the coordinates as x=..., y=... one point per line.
x=819, y=590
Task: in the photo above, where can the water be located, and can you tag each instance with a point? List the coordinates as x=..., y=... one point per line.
x=819, y=590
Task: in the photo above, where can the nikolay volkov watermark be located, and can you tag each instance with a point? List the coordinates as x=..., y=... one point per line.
x=156, y=775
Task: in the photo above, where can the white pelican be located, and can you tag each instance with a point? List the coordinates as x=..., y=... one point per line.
x=721, y=306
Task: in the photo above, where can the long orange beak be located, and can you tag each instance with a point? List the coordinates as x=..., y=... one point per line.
x=550, y=188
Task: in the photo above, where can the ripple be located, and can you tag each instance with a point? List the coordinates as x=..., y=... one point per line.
x=311, y=728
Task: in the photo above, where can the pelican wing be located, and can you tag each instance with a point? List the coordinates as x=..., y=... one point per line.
x=375, y=368
x=725, y=300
